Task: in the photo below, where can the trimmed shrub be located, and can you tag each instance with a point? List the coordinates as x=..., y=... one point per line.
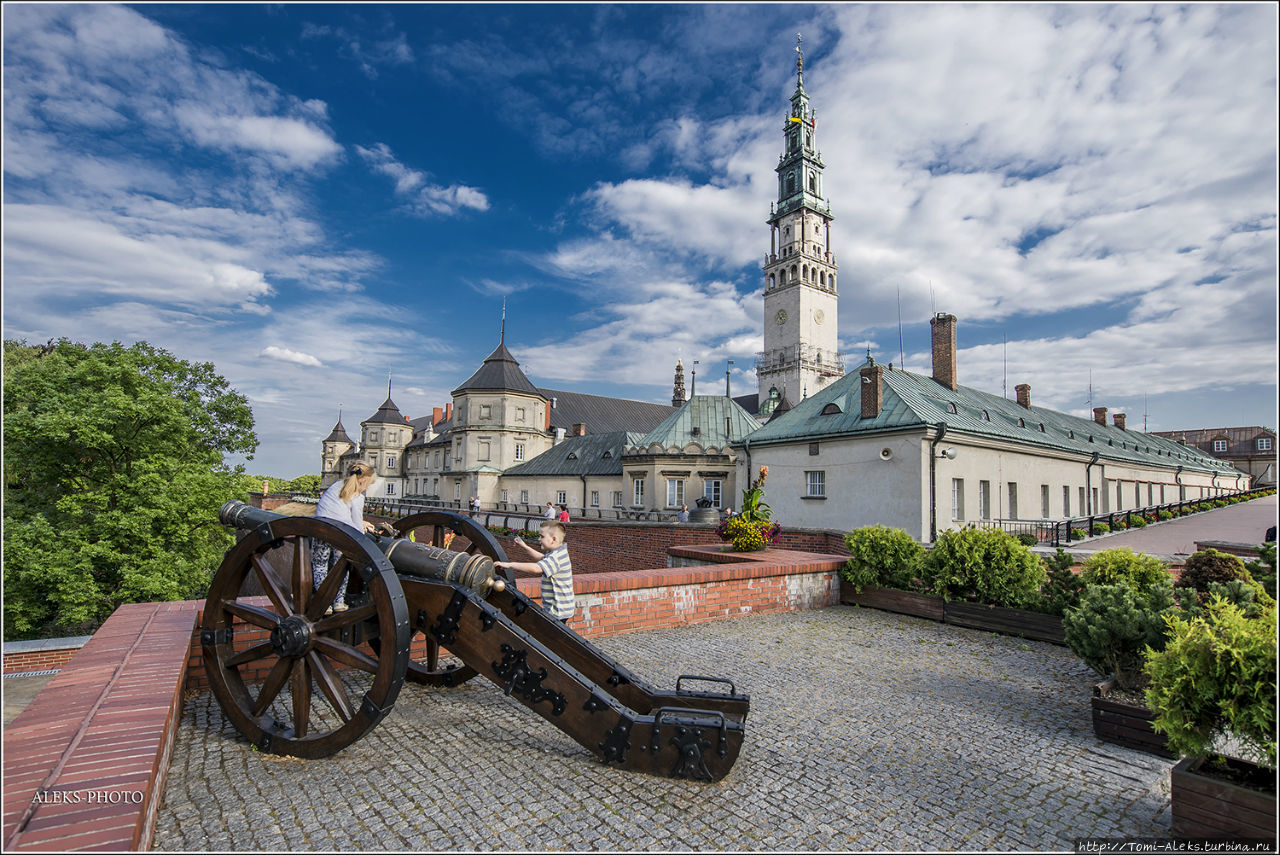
x=1210, y=565
x=1248, y=596
x=1137, y=522
x=1165, y=515
x=1216, y=678
x=983, y=565
x=1263, y=568
x=881, y=557
x=1027, y=538
x=1113, y=626
x=1078, y=534
x=1062, y=587
x=1123, y=566
x=1101, y=528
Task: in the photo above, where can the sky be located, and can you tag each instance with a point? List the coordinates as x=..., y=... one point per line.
x=317, y=197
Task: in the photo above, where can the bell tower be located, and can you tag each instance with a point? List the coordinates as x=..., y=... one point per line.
x=800, y=353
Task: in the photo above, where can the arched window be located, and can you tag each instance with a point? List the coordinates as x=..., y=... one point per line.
x=795, y=274
x=771, y=283
x=832, y=280
x=791, y=184
x=813, y=183
x=822, y=278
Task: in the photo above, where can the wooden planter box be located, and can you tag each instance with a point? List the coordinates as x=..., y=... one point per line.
x=1125, y=724
x=902, y=602
x=1210, y=807
x=1033, y=625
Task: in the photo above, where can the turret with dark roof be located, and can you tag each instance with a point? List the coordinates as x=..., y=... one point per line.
x=499, y=373
x=388, y=413
x=338, y=434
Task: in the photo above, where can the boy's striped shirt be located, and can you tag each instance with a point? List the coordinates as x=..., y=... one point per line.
x=557, y=582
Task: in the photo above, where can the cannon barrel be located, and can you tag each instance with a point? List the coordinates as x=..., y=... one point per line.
x=411, y=559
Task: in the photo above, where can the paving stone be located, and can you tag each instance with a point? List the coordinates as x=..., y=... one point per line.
x=868, y=730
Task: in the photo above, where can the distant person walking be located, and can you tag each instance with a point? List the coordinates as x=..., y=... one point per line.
x=475, y=506
x=342, y=502
x=549, y=513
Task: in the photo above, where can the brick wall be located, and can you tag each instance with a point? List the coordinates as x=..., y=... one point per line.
x=21, y=662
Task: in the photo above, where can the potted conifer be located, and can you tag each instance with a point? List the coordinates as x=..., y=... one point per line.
x=1213, y=689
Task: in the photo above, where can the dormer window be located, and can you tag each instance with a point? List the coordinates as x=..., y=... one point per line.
x=1022, y=423
x=831, y=409
x=573, y=455
x=986, y=416
x=1264, y=443
x=951, y=407
x=608, y=455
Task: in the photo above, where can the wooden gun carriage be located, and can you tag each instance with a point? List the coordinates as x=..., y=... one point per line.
x=271, y=639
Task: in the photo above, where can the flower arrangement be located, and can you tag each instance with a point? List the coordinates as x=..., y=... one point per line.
x=751, y=529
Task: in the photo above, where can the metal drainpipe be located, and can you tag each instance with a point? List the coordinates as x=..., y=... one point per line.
x=933, y=481
x=746, y=447
x=1088, y=484
x=584, y=494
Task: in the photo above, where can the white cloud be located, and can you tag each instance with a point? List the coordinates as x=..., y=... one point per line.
x=291, y=142
x=284, y=354
x=424, y=198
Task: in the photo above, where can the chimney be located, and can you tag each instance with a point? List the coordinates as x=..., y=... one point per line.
x=547, y=412
x=436, y=415
x=872, y=390
x=448, y=411
x=1100, y=415
x=579, y=429
x=1024, y=394
x=1118, y=419
x=944, y=349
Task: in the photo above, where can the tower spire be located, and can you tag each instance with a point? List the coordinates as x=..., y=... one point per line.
x=502, y=331
x=388, y=384
x=799, y=62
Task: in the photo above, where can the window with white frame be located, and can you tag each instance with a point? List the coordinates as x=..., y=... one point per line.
x=561, y=498
x=675, y=492
x=711, y=490
x=1264, y=443
x=1219, y=446
x=637, y=492
x=519, y=451
x=984, y=500
x=816, y=480
x=957, y=498
x=617, y=499
x=504, y=497
x=391, y=461
x=595, y=498
x=391, y=489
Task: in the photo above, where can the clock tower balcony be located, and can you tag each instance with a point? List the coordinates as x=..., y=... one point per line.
x=825, y=362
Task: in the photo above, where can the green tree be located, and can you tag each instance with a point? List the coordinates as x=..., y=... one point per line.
x=305, y=484
x=114, y=473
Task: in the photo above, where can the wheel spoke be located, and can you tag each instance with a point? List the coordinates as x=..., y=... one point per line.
x=271, y=686
x=346, y=654
x=331, y=686
x=252, y=614
x=337, y=620
x=301, y=581
x=437, y=536
x=328, y=590
x=252, y=654
x=273, y=586
x=301, y=690
x=433, y=654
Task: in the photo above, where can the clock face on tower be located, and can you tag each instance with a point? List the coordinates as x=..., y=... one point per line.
x=781, y=317
x=818, y=316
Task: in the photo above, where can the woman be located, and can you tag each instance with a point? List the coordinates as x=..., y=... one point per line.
x=342, y=502
x=564, y=514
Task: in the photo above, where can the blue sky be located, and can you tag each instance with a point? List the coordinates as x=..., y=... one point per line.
x=311, y=196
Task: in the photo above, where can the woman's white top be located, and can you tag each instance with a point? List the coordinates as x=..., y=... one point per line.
x=331, y=507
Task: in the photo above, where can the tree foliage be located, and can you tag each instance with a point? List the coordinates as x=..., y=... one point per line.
x=1113, y=625
x=986, y=566
x=114, y=474
x=1122, y=566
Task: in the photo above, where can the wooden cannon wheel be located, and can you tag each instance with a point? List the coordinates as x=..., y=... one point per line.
x=441, y=523
x=305, y=647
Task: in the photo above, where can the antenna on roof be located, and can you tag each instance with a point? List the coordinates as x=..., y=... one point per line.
x=339, y=412
x=388, y=384
x=1090, y=401
x=932, y=308
x=693, y=381
x=902, y=359
x=1004, y=385
x=1144, y=413
x=502, y=330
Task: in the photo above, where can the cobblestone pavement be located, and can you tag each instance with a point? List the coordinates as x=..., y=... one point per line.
x=868, y=731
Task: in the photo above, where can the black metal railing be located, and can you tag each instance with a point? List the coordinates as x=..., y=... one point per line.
x=524, y=515
x=1063, y=532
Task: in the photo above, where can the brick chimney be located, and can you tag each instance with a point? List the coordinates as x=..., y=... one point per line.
x=872, y=390
x=944, y=349
x=1100, y=415
x=437, y=413
x=1118, y=420
x=448, y=411
x=579, y=430
x=1024, y=394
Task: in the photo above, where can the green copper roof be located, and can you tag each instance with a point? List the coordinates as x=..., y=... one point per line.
x=594, y=454
x=708, y=420
x=912, y=400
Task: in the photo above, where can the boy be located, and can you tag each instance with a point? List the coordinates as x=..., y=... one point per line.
x=553, y=566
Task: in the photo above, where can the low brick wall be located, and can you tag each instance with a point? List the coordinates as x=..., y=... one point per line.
x=48, y=654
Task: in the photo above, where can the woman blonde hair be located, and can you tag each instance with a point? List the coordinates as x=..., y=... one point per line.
x=358, y=480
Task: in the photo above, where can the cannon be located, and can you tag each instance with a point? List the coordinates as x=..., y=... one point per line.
x=299, y=678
